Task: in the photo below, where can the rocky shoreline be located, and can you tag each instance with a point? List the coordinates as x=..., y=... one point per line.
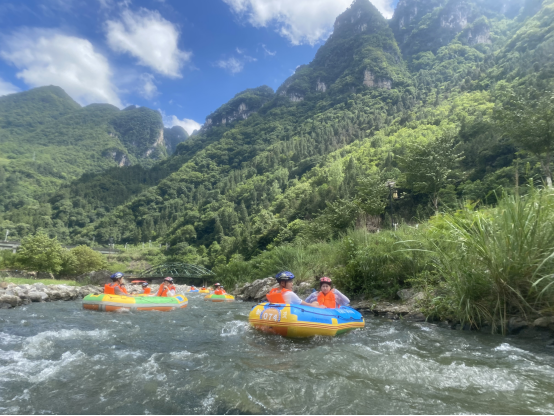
x=12, y=295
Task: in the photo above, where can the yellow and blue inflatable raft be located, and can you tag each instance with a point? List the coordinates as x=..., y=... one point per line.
x=220, y=298
x=296, y=321
x=112, y=303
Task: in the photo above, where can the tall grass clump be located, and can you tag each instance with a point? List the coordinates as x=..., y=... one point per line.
x=499, y=262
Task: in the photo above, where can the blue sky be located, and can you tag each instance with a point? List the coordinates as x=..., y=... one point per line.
x=182, y=57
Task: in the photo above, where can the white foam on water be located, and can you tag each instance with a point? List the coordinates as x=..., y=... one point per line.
x=234, y=328
x=6, y=339
x=43, y=343
x=508, y=347
x=67, y=359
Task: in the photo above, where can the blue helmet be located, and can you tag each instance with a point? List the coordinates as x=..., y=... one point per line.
x=284, y=276
x=117, y=275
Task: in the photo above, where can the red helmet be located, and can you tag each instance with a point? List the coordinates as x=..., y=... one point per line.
x=169, y=279
x=325, y=280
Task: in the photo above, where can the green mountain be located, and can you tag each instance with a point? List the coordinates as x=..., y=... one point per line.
x=47, y=139
x=412, y=100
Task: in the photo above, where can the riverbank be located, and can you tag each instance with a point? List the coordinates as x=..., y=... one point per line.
x=407, y=308
x=13, y=295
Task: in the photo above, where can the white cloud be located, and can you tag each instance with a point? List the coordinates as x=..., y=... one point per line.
x=233, y=65
x=149, y=89
x=268, y=52
x=46, y=57
x=150, y=38
x=300, y=21
x=186, y=123
x=7, y=88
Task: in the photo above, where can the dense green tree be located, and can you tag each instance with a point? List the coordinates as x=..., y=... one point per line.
x=526, y=115
x=429, y=166
x=41, y=253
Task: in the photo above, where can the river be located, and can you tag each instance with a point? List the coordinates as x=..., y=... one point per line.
x=57, y=358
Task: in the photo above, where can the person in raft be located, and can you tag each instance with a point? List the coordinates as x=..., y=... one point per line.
x=327, y=296
x=284, y=293
x=166, y=288
x=218, y=289
x=145, y=289
x=114, y=288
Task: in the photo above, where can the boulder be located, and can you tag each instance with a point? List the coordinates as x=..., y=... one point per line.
x=3, y=285
x=36, y=296
x=11, y=300
x=415, y=317
x=544, y=322
x=406, y=294
x=304, y=289
x=39, y=286
x=5, y=305
x=516, y=324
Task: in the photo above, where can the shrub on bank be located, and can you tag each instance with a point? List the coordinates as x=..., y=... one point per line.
x=495, y=263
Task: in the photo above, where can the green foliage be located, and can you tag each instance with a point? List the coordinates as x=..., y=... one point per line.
x=40, y=253
x=82, y=259
x=429, y=166
x=496, y=263
x=526, y=115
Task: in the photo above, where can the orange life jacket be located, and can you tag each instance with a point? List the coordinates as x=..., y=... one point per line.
x=218, y=292
x=146, y=290
x=276, y=295
x=328, y=300
x=192, y=288
x=109, y=288
x=163, y=290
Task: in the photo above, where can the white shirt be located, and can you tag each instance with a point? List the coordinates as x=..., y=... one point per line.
x=292, y=298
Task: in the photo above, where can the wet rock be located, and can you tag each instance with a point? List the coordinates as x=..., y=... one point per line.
x=544, y=322
x=39, y=286
x=516, y=324
x=5, y=305
x=11, y=300
x=36, y=296
x=415, y=317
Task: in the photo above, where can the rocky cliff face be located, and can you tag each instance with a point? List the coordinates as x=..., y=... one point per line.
x=427, y=25
x=361, y=53
x=240, y=107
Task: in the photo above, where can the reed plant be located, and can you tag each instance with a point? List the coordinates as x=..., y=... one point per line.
x=498, y=262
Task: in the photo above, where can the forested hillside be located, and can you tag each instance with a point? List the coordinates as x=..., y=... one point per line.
x=47, y=139
x=427, y=100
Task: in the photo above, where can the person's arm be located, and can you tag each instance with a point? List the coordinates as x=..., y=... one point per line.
x=292, y=299
x=340, y=298
x=120, y=292
x=312, y=297
x=170, y=293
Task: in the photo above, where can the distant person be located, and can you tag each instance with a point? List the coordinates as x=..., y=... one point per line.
x=145, y=289
x=284, y=293
x=192, y=288
x=114, y=288
x=167, y=289
x=327, y=296
x=218, y=289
